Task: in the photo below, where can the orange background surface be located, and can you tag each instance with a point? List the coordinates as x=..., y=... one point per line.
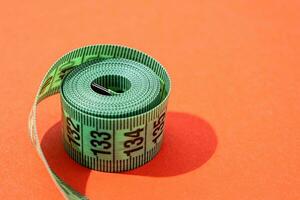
x=233, y=126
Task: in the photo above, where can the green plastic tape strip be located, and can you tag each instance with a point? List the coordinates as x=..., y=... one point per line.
x=114, y=102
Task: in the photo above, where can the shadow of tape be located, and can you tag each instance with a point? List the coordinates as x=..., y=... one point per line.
x=189, y=142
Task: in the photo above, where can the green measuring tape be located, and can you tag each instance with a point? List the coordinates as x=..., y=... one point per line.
x=114, y=102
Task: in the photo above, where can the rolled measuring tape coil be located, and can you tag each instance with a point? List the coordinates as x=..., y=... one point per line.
x=114, y=102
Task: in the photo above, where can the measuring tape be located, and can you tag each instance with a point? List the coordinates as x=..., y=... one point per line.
x=114, y=102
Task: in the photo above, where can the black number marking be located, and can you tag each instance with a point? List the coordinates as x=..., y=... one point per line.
x=101, y=140
x=158, y=127
x=65, y=69
x=135, y=142
x=73, y=132
x=74, y=126
x=46, y=84
x=128, y=152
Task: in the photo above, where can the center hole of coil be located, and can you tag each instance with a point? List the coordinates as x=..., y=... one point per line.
x=110, y=85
